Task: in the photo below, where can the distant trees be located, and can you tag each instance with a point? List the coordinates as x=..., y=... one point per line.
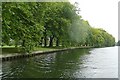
x=118, y=43
x=99, y=37
x=34, y=24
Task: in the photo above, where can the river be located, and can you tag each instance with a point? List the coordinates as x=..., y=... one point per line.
x=78, y=63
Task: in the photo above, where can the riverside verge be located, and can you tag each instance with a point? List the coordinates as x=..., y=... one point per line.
x=10, y=53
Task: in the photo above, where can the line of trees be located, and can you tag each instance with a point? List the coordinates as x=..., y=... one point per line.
x=34, y=24
x=118, y=43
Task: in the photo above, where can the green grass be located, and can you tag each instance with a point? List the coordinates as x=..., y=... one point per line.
x=42, y=49
x=46, y=48
x=10, y=50
x=7, y=47
x=13, y=50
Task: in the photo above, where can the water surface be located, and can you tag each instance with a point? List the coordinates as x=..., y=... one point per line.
x=78, y=63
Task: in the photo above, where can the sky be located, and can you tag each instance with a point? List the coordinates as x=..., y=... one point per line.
x=100, y=14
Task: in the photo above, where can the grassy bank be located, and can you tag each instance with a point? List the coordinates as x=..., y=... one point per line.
x=14, y=50
x=10, y=53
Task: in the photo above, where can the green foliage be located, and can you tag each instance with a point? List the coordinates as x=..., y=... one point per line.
x=18, y=24
x=31, y=24
x=118, y=43
x=100, y=38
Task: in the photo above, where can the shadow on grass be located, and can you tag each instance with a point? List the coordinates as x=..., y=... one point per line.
x=14, y=50
x=11, y=50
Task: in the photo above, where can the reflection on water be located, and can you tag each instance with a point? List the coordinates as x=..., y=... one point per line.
x=78, y=63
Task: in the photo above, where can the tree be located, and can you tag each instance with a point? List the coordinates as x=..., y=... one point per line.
x=118, y=43
x=28, y=24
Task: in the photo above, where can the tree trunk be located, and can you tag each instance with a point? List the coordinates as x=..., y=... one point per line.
x=57, y=42
x=16, y=44
x=41, y=41
x=51, y=41
x=23, y=43
x=45, y=39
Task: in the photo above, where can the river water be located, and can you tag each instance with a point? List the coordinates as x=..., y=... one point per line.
x=78, y=63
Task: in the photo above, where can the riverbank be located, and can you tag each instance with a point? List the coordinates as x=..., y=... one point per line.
x=77, y=63
x=7, y=57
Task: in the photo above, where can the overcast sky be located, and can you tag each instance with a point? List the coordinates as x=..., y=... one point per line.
x=100, y=14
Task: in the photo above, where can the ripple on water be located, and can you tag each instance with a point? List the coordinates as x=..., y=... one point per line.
x=102, y=62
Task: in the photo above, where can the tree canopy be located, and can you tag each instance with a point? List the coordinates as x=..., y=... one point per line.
x=34, y=24
x=118, y=43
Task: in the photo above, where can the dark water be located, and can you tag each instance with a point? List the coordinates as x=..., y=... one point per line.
x=78, y=63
